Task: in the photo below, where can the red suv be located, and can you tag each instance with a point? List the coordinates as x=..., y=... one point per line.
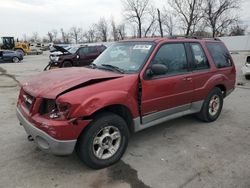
x=131, y=86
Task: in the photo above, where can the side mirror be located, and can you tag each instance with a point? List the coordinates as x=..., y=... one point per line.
x=157, y=69
x=77, y=57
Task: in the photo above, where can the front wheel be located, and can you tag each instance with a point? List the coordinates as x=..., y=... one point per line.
x=67, y=64
x=15, y=60
x=104, y=141
x=212, y=106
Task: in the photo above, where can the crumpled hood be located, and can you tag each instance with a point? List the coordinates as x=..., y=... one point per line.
x=49, y=84
x=61, y=49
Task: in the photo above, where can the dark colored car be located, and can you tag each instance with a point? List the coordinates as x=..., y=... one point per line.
x=75, y=56
x=131, y=86
x=10, y=56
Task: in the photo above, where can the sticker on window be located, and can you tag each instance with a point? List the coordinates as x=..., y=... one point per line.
x=142, y=47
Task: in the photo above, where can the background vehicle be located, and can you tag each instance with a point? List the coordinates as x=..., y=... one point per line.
x=95, y=109
x=246, y=68
x=54, y=54
x=10, y=56
x=75, y=56
x=8, y=43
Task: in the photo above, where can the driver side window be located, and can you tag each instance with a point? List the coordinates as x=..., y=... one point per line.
x=173, y=56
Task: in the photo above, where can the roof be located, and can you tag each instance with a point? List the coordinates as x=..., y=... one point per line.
x=174, y=38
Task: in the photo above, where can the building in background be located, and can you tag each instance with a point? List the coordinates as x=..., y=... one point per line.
x=237, y=43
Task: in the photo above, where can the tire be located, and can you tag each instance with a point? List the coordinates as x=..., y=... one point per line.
x=20, y=51
x=247, y=77
x=212, y=106
x=15, y=60
x=66, y=64
x=94, y=145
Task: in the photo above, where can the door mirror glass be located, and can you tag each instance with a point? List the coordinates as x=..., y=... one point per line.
x=157, y=69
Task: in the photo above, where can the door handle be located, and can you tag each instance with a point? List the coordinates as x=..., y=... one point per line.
x=187, y=79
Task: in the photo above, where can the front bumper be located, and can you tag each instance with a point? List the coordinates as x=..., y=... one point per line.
x=44, y=141
x=51, y=65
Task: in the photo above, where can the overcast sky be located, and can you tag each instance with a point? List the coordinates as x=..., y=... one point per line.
x=28, y=16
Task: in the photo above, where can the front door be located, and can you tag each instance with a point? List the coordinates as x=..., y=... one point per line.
x=169, y=93
x=82, y=58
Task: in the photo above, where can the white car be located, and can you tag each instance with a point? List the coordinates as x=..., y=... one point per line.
x=246, y=68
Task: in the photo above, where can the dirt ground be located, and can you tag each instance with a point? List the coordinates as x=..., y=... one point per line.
x=180, y=153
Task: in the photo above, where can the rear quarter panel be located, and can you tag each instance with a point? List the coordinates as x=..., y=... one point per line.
x=207, y=80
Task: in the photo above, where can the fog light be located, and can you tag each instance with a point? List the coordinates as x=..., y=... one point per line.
x=42, y=143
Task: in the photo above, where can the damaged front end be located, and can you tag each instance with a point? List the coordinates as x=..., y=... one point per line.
x=47, y=122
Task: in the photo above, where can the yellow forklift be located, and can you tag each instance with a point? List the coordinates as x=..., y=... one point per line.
x=8, y=43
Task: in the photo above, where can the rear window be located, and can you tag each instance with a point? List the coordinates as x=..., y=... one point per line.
x=220, y=54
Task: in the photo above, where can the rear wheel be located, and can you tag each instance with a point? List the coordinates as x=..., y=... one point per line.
x=104, y=141
x=212, y=106
x=15, y=60
x=66, y=64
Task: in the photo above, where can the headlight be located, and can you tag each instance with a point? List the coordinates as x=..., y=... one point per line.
x=61, y=111
x=56, y=58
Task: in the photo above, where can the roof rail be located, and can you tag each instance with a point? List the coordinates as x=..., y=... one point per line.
x=192, y=37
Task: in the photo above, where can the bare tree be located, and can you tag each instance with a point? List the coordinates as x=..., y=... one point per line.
x=151, y=21
x=135, y=12
x=121, y=31
x=102, y=29
x=189, y=13
x=219, y=14
x=54, y=32
x=90, y=35
x=168, y=24
x=51, y=36
x=25, y=38
x=237, y=30
x=34, y=37
x=114, y=31
x=65, y=36
x=160, y=21
x=76, y=33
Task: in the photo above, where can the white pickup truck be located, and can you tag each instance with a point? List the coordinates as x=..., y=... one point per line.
x=246, y=68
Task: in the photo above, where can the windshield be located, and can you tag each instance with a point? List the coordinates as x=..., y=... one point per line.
x=73, y=50
x=129, y=57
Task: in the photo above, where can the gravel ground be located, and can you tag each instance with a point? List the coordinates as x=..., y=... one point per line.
x=180, y=153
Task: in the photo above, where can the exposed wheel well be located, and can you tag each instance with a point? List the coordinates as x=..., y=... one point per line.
x=223, y=89
x=120, y=110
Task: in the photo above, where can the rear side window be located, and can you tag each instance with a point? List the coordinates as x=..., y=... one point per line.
x=174, y=57
x=220, y=55
x=92, y=49
x=200, y=59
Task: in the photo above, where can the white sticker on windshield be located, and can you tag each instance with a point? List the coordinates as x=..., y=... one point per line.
x=142, y=47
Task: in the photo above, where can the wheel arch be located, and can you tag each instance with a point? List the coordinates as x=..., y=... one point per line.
x=222, y=87
x=118, y=109
x=69, y=60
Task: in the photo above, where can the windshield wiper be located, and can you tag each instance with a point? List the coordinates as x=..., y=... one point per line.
x=93, y=65
x=112, y=67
